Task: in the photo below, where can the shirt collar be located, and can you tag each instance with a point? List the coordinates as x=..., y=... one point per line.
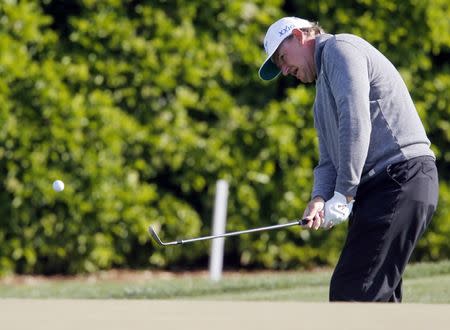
x=320, y=44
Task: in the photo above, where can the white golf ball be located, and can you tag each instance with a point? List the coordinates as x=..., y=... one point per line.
x=58, y=185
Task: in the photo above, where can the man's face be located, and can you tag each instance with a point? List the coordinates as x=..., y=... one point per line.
x=295, y=57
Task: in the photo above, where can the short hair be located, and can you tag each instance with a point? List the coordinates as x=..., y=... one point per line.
x=315, y=28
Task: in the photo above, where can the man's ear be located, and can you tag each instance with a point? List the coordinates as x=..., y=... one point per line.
x=298, y=35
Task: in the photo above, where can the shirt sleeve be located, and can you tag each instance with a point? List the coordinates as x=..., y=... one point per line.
x=346, y=70
x=324, y=174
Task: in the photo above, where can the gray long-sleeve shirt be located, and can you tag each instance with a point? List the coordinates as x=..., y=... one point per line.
x=363, y=114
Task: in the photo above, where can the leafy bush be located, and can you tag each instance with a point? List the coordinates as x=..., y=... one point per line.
x=139, y=107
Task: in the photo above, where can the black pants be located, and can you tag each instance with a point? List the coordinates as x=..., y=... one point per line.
x=391, y=212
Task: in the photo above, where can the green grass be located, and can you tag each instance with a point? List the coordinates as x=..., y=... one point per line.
x=423, y=283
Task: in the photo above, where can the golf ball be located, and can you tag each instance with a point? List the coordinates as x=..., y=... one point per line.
x=58, y=185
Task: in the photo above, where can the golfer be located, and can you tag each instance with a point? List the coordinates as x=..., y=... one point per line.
x=375, y=163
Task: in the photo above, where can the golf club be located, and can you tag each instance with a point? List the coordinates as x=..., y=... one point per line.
x=155, y=236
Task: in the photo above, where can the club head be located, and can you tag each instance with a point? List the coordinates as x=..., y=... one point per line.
x=158, y=240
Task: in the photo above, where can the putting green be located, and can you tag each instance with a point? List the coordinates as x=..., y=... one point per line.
x=200, y=315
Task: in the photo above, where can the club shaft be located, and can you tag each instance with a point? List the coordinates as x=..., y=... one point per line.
x=235, y=233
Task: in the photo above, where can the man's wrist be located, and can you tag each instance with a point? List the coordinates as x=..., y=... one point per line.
x=348, y=199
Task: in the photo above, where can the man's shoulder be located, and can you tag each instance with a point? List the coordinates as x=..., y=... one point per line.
x=345, y=42
x=331, y=47
x=345, y=38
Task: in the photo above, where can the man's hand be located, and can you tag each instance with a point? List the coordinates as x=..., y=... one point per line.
x=314, y=212
x=337, y=210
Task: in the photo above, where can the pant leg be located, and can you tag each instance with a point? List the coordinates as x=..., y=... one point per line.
x=390, y=214
x=398, y=293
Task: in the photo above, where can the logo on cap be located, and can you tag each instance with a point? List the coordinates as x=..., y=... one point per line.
x=285, y=30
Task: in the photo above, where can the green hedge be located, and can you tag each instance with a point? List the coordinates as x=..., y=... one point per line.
x=140, y=106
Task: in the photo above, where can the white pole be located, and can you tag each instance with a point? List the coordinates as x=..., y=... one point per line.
x=219, y=222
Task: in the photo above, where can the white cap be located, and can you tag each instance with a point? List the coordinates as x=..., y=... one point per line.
x=275, y=35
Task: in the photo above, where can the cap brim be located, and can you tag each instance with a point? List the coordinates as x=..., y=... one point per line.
x=268, y=70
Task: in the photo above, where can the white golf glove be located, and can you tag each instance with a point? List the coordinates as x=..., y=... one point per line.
x=337, y=210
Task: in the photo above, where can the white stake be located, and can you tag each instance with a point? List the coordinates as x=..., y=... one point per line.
x=219, y=223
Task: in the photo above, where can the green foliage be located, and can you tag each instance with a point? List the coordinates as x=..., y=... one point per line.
x=140, y=106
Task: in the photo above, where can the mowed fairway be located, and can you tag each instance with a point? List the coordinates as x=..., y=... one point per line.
x=423, y=283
